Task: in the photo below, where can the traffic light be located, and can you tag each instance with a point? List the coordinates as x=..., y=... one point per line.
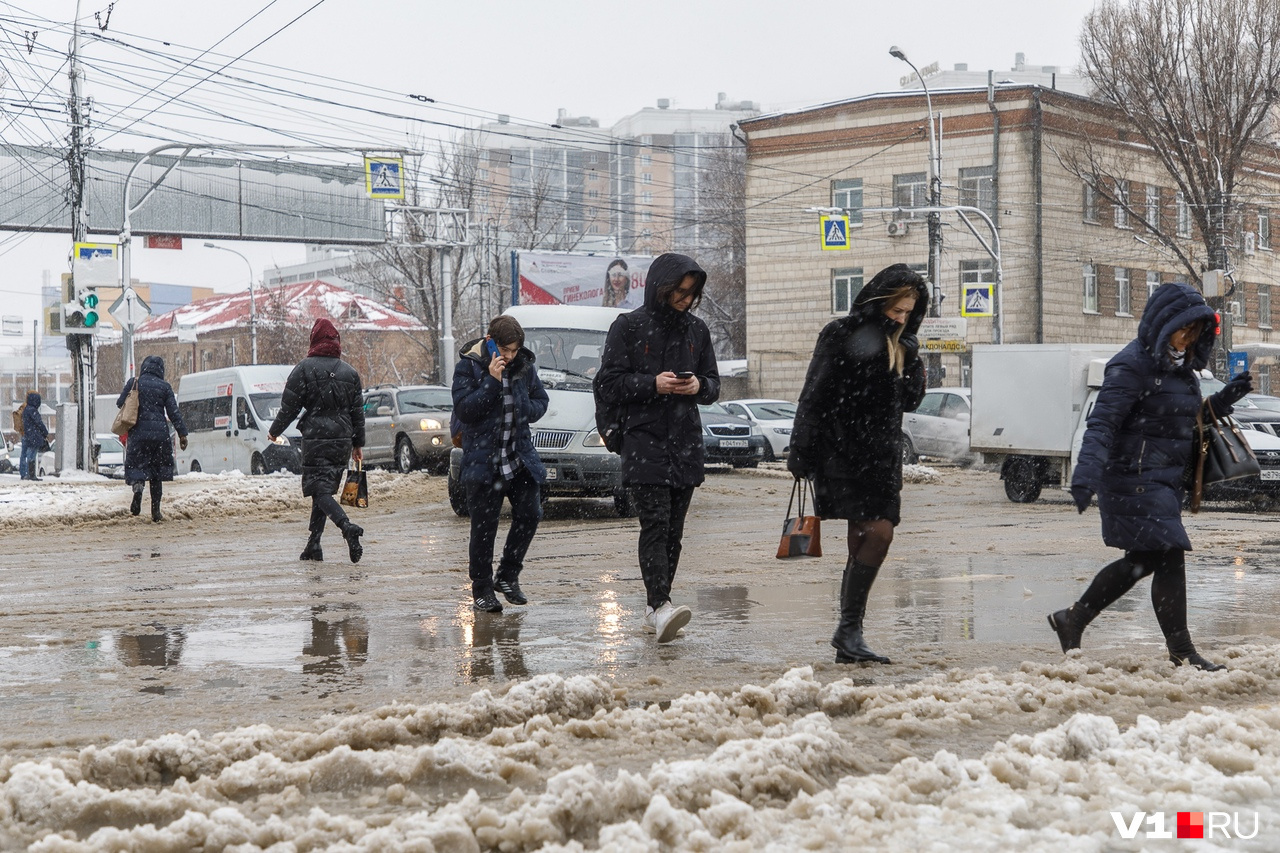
x=82, y=312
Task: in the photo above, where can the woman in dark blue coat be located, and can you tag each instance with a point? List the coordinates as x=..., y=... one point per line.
x=34, y=436
x=1137, y=446
x=148, y=452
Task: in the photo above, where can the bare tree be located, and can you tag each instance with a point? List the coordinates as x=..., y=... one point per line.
x=1196, y=80
x=723, y=237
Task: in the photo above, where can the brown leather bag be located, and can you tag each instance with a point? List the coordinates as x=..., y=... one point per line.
x=801, y=533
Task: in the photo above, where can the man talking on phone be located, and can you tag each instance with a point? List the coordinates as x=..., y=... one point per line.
x=657, y=366
x=496, y=395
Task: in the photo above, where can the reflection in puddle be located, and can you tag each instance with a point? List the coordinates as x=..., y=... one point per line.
x=336, y=645
x=161, y=647
x=491, y=645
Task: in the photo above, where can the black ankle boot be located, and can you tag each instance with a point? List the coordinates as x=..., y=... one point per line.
x=352, y=533
x=155, y=512
x=854, y=589
x=312, y=551
x=1182, y=650
x=135, y=506
x=1070, y=624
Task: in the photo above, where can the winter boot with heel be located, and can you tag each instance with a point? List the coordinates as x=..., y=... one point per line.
x=854, y=589
x=1182, y=650
x=1069, y=624
x=352, y=533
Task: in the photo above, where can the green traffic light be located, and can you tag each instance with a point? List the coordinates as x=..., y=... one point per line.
x=91, y=300
x=91, y=317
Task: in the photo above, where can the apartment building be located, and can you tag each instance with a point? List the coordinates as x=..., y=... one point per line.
x=1074, y=268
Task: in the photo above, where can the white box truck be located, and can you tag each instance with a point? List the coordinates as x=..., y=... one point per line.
x=1030, y=404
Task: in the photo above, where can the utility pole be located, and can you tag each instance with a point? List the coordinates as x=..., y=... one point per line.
x=81, y=347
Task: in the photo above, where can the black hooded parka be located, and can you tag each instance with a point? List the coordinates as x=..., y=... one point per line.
x=148, y=451
x=847, y=434
x=661, y=433
x=326, y=390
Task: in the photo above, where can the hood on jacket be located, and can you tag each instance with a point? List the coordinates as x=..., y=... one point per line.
x=152, y=365
x=33, y=400
x=477, y=351
x=869, y=304
x=665, y=269
x=325, y=340
x=1172, y=306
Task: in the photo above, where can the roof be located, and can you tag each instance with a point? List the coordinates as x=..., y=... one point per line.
x=304, y=302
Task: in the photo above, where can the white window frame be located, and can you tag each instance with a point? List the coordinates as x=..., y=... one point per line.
x=1090, y=275
x=1089, y=203
x=1124, y=293
x=646, y=177
x=1153, y=206
x=847, y=194
x=845, y=284
x=1264, y=230
x=1264, y=306
x=911, y=189
x=1153, y=282
x=1183, y=214
x=1120, y=211
x=977, y=188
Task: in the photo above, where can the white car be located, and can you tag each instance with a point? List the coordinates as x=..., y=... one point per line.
x=110, y=455
x=939, y=427
x=774, y=418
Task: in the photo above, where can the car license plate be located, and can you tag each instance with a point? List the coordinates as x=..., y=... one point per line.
x=733, y=442
x=551, y=473
x=1271, y=474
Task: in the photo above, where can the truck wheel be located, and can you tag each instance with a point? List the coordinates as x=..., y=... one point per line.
x=256, y=465
x=458, y=499
x=195, y=467
x=909, y=456
x=623, y=505
x=406, y=459
x=1021, y=480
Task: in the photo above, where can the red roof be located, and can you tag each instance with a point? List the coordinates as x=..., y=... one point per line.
x=305, y=302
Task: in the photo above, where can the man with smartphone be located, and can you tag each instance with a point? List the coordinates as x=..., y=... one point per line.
x=657, y=366
x=496, y=396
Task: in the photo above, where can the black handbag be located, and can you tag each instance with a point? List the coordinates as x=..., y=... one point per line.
x=1222, y=453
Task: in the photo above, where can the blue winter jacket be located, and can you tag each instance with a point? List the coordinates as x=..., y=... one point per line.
x=477, y=404
x=1138, y=439
x=157, y=405
x=34, y=432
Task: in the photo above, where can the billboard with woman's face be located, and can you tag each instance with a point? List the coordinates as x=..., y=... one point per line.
x=614, y=281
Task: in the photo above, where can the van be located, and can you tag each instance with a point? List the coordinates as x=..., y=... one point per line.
x=228, y=413
x=567, y=341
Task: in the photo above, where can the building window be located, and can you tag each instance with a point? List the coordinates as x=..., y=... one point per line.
x=1184, y=214
x=845, y=285
x=911, y=190
x=848, y=195
x=646, y=160
x=647, y=198
x=646, y=233
x=646, y=216
x=1091, y=288
x=1090, y=203
x=646, y=140
x=593, y=193
x=646, y=178
x=1153, y=206
x=1124, y=298
x=1121, y=209
x=593, y=158
x=1264, y=229
x=1264, y=306
x=977, y=188
x=1153, y=281
x=1236, y=306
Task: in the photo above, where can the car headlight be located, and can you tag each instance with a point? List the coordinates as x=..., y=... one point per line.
x=280, y=440
x=782, y=430
x=428, y=423
x=593, y=439
x=755, y=430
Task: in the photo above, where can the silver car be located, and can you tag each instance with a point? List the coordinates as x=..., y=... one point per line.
x=939, y=427
x=406, y=426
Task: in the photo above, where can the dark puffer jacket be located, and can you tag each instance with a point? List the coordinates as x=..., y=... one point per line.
x=661, y=433
x=34, y=432
x=1138, y=439
x=148, y=454
x=847, y=433
x=477, y=403
x=329, y=390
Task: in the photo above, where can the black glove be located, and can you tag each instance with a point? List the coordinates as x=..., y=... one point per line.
x=910, y=347
x=1081, y=495
x=1234, y=391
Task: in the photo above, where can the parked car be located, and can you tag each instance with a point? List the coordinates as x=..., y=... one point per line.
x=110, y=455
x=408, y=425
x=939, y=427
x=1266, y=447
x=774, y=418
x=729, y=439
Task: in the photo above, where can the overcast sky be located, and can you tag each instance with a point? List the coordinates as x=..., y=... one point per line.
x=475, y=58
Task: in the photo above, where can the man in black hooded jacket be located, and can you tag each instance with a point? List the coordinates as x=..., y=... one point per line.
x=658, y=365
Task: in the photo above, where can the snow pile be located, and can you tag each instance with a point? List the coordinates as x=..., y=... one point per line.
x=777, y=767
x=920, y=474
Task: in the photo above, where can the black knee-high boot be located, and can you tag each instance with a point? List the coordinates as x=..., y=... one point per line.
x=854, y=589
x=312, y=551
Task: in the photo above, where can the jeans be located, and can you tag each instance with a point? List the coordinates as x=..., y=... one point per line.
x=30, y=455
x=484, y=502
x=662, y=510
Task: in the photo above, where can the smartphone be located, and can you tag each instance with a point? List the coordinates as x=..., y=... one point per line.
x=684, y=374
x=493, y=348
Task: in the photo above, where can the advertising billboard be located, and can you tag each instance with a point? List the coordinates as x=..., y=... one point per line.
x=614, y=281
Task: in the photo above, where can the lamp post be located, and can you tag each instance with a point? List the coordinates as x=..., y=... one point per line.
x=935, y=191
x=253, y=311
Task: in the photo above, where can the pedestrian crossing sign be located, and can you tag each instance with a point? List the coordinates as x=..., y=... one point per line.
x=384, y=177
x=978, y=300
x=835, y=232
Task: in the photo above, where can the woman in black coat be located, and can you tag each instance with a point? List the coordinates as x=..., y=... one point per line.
x=148, y=451
x=332, y=432
x=847, y=437
x=1137, y=446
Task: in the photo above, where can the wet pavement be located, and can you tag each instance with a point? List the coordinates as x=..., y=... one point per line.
x=128, y=628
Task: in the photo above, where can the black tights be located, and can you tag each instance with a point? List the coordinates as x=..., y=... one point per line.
x=1168, y=585
x=324, y=506
x=869, y=541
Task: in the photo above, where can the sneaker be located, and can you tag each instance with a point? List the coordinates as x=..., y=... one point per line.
x=648, y=621
x=669, y=619
x=487, y=603
x=511, y=591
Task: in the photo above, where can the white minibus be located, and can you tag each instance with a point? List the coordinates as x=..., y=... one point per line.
x=228, y=412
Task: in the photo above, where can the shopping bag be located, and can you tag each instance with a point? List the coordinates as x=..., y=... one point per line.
x=127, y=415
x=1221, y=453
x=355, y=492
x=800, y=534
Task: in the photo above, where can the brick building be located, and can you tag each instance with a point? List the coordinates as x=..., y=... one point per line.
x=1074, y=268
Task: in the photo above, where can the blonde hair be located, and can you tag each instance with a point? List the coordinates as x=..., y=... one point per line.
x=898, y=354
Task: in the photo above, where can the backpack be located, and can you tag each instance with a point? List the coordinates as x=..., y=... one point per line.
x=608, y=419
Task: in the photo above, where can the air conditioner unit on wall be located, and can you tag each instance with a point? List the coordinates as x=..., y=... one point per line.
x=897, y=228
x=1234, y=309
x=1250, y=243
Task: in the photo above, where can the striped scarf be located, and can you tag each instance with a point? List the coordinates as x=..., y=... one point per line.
x=510, y=464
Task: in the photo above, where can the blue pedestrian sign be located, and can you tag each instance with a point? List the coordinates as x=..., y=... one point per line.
x=384, y=177
x=835, y=232
x=978, y=300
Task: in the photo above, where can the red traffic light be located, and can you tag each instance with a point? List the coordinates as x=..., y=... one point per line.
x=1217, y=323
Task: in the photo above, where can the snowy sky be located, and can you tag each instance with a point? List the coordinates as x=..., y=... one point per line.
x=475, y=58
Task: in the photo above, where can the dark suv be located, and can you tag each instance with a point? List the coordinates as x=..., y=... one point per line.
x=407, y=426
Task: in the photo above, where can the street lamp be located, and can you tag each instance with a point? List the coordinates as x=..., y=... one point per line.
x=253, y=312
x=935, y=190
